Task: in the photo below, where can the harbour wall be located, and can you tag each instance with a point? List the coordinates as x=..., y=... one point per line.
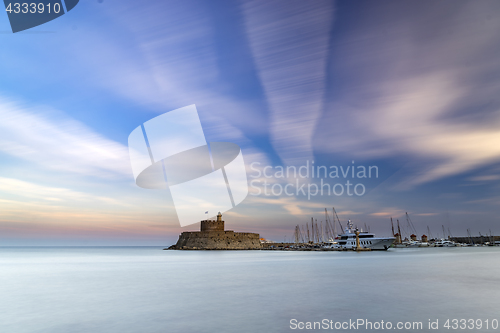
x=475, y=239
x=276, y=245
x=217, y=240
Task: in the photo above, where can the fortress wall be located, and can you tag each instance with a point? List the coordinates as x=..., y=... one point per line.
x=212, y=225
x=218, y=240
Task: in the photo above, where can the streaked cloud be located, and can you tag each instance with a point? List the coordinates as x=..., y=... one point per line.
x=290, y=47
x=175, y=63
x=418, y=92
x=52, y=140
x=42, y=193
x=484, y=178
x=389, y=212
x=293, y=205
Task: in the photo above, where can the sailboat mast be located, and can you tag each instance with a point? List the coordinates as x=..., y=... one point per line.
x=334, y=227
x=312, y=229
x=316, y=230
x=330, y=233
x=335, y=212
x=399, y=231
x=410, y=224
x=308, y=236
x=322, y=233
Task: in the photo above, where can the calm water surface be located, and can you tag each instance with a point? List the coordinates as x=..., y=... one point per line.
x=145, y=289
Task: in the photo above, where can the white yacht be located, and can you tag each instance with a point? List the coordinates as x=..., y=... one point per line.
x=445, y=243
x=366, y=240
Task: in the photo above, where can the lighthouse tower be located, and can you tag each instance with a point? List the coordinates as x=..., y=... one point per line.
x=211, y=225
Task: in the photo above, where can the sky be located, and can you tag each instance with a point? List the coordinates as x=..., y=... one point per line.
x=409, y=88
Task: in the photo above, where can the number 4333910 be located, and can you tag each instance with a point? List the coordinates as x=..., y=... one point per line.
x=32, y=8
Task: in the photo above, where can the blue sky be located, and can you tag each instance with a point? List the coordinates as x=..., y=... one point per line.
x=410, y=87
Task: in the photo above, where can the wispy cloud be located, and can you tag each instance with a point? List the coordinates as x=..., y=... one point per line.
x=62, y=210
x=422, y=92
x=293, y=205
x=484, y=178
x=388, y=212
x=52, y=140
x=176, y=47
x=290, y=46
x=414, y=114
x=426, y=214
x=58, y=195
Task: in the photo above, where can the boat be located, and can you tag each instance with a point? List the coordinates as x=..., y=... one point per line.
x=347, y=240
x=410, y=243
x=445, y=243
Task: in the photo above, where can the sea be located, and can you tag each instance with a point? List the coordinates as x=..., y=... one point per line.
x=146, y=289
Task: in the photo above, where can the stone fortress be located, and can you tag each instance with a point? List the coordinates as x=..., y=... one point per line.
x=212, y=236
